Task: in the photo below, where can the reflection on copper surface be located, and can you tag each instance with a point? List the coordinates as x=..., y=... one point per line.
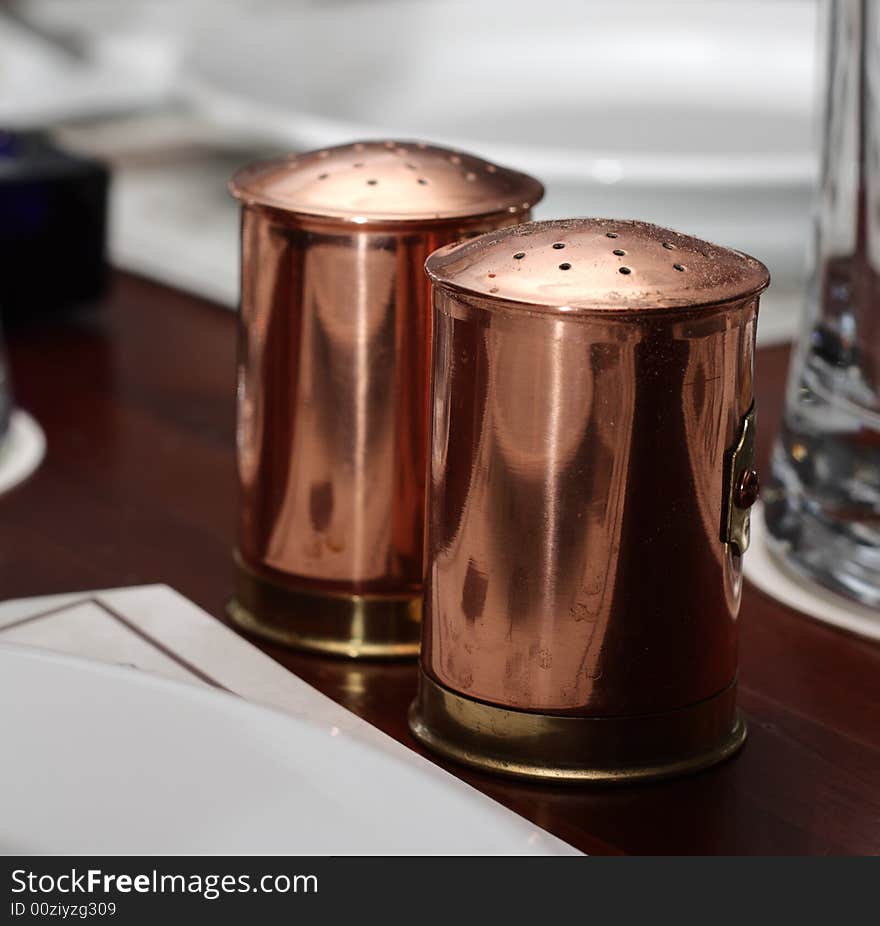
x=574, y=562
x=336, y=493
x=333, y=373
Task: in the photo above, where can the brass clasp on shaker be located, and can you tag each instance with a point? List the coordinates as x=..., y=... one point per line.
x=741, y=486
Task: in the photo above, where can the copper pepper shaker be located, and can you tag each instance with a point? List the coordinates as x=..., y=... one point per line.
x=590, y=478
x=333, y=375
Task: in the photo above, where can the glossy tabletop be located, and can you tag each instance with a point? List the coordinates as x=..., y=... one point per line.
x=136, y=397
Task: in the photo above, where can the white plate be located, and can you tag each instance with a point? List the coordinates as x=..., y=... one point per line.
x=21, y=450
x=776, y=578
x=687, y=92
x=694, y=114
x=100, y=759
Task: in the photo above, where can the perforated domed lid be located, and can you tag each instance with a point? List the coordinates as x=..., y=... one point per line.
x=387, y=181
x=590, y=265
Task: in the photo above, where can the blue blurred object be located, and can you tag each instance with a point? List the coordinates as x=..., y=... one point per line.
x=53, y=226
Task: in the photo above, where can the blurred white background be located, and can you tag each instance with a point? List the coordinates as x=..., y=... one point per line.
x=697, y=114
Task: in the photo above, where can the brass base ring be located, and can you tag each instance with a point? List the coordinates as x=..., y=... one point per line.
x=559, y=748
x=352, y=626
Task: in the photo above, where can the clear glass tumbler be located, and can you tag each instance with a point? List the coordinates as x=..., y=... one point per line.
x=823, y=503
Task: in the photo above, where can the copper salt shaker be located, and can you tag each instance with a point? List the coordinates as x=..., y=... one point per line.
x=591, y=471
x=332, y=385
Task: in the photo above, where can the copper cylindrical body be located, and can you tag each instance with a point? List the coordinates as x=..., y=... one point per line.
x=591, y=381
x=333, y=372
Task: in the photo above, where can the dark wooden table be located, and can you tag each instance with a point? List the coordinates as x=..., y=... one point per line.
x=136, y=397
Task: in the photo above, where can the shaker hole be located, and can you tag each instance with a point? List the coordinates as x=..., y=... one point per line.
x=565, y=266
x=679, y=267
x=519, y=255
x=619, y=252
x=558, y=245
x=625, y=270
x=323, y=176
x=422, y=181
x=668, y=246
x=611, y=235
x=372, y=182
